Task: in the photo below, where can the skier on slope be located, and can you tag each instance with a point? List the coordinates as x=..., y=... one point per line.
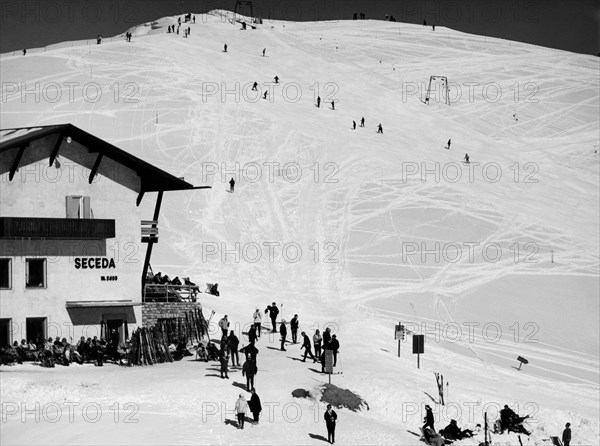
x=379, y=129
x=225, y=48
x=333, y=105
x=466, y=158
x=231, y=185
x=276, y=79
x=254, y=85
x=449, y=142
x=318, y=101
x=353, y=125
x=362, y=121
x=264, y=51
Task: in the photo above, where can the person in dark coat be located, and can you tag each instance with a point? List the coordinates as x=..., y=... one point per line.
x=294, y=324
x=231, y=185
x=224, y=360
x=252, y=335
x=326, y=338
x=273, y=312
x=330, y=421
x=379, y=129
x=254, y=85
x=318, y=101
x=362, y=121
x=466, y=158
x=307, y=348
x=255, y=406
x=566, y=435
x=452, y=431
x=232, y=347
x=428, y=418
x=335, y=346
x=251, y=352
x=353, y=125
x=249, y=369
x=283, y=333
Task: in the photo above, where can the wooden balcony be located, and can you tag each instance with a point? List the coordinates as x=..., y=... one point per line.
x=56, y=228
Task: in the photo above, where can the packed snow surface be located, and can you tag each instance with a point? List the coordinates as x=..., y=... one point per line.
x=353, y=229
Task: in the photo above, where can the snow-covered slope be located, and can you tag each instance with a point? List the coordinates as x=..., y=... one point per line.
x=337, y=224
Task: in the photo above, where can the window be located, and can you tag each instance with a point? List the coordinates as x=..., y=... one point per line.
x=35, y=273
x=78, y=206
x=5, y=274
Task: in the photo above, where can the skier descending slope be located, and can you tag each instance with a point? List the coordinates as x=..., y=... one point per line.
x=225, y=48
x=466, y=158
x=318, y=101
x=379, y=129
x=449, y=142
x=353, y=125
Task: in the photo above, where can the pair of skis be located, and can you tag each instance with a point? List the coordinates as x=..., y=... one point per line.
x=439, y=379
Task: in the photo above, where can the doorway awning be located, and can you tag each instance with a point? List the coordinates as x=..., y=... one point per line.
x=101, y=303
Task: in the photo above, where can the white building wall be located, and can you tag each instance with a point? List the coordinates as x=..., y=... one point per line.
x=38, y=190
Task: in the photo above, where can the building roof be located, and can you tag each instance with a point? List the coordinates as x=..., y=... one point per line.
x=153, y=178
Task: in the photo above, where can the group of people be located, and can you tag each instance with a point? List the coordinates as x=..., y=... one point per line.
x=509, y=421
x=60, y=351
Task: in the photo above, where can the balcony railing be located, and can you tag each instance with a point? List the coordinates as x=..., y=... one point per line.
x=154, y=292
x=55, y=228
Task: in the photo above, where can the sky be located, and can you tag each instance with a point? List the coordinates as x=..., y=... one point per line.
x=564, y=24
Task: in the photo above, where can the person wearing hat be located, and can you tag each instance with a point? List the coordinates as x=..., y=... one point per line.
x=273, y=312
x=330, y=420
x=241, y=407
x=283, y=333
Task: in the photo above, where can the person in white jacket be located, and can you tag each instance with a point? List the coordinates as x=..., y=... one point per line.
x=241, y=407
x=257, y=322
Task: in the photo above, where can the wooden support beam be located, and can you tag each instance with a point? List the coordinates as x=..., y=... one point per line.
x=95, y=168
x=55, y=149
x=16, y=162
x=151, y=242
x=139, y=198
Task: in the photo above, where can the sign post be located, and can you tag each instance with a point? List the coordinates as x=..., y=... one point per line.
x=399, y=335
x=418, y=347
x=329, y=363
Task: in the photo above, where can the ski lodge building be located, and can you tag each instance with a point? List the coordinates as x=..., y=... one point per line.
x=74, y=250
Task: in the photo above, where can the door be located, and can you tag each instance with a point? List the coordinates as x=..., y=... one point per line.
x=5, y=333
x=35, y=329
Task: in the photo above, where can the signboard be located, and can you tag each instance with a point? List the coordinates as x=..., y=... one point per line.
x=399, y=334
x=418, y=344
x=328, y=361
